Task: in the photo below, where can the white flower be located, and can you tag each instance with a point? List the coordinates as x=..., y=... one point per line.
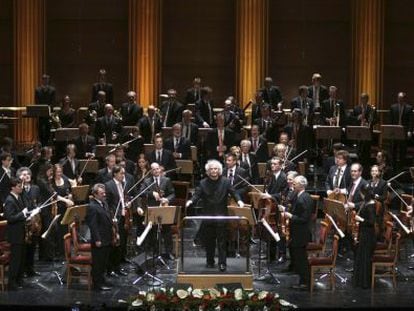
x=197, y=293
x=250, y=295
x=284, y=303
x=171, y=290
x=138, y=302
x=182, y=294
x=238, y=294
x=225, y=290
x=262, y=295
x=214, y=293
x=142, y=293
x=150, y=297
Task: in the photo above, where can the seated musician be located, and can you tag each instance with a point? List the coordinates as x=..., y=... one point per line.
x=219, y=140
x=339, y=176
x=160, y=191
x=85, y=143
x=117, y=197
x=383, y=161
x=300, y=135
x=96, y=109
x=214, y=191
x=46, y=154
x=177, y=144
x=233, y=115
x=120, y=155
x=108, y=128
x=275, y=185
x=70, y=166
x=105, y=174
x=193, y=94
x=149, y=125
x=259, y=144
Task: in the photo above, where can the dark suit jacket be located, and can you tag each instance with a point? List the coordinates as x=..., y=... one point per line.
x=303, y=139
x=406, y=118
x=103, y=176
x=212, y=142
x=239, y=185
x=300, y=232
x=252, y=168
x=183, y=147
x=15, y=219
x=174, y=114
x=328, y=109
x=112, y=195
x=192, y=95
x=369, y=113
x=5, y=184
x=68, y=119
x=262, y=152
x=31, y=198
x=99, y=222
x=357, y=198
x=45, y=95
x=271, y=96
x=82, y=149
x=271, y=132
x=106, y=87
x=108, y=127
x=277, y=186
x=202, y=113
x=296, y=104
x=131, y=113
x=144, y=125
x=346, y=179
x=193, y=133
x=67, y=168
x=380, y=190
x=323, y=93
x=165, y=186
x=98, y=107
x=167, y=159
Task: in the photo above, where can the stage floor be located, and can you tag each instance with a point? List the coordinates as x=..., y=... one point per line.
x=45, y=292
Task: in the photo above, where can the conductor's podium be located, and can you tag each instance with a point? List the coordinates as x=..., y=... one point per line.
x=192, y=262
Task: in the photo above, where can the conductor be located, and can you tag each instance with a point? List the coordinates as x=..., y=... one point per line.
x=214, y=191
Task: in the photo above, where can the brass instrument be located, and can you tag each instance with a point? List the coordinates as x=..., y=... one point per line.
x=117, y=114
x=337, y=113
x=371, y=116
x=55, y=120
x=93, y=115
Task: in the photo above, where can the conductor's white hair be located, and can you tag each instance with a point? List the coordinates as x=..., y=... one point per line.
x=301, y=180
x=292, y=174
x=214, y=163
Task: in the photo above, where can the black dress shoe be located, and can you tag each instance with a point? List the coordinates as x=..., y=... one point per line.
x=112, y=274
x=103, y=288
x=121, y=272
x=222, y=267
x=300, y=287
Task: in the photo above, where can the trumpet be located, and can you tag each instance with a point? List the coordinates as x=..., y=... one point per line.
x=117, y=114
x=55, y=120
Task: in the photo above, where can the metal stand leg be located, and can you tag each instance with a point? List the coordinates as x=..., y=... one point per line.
x=263, y=277
x=341, y=278
x=238, y=243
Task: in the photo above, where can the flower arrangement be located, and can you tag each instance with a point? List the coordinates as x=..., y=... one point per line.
x=207, y=299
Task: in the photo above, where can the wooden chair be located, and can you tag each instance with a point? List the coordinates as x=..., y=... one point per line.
x=4, y=245
x=385, y=247
x=4, y=262
x=77, y=266
x=387, y=262
x=79, y=248
x=316, y=248
x=321, y=264
x=181, y=197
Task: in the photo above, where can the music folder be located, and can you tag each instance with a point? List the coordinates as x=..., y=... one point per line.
x=245, y=211
x=74, y=211
x=165, y=215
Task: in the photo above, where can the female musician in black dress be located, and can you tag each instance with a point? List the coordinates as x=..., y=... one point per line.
x=67, y=115
x=366, y=240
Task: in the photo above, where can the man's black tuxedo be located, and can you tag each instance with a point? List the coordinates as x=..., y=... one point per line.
x=212, y=142
x=182, y=147
x=67, y=168
x=103, y=176
x=346, y=179
x=131, y=113
x=262, y=152
x=167, y=160
x=251, y=166
x=5, y=183
x=108, y=126
x=103, y=86
x=406, y=112
x=84, y=145
x=276, y=187
x=172, y=111
x=97, y=106
x=204, y=113
x=328, y=107
x=240, y=186
x=145, y=127
x=192, y=133
x=271, y=96
x=306, y=106
x=192, y=95
x=356, y=198
x=98, y=217
x=323, y=93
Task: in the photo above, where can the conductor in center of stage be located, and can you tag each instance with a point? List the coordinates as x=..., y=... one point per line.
x=213, y=191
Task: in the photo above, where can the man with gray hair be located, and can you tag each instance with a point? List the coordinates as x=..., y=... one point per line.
x=214, y=191
x=300, y=233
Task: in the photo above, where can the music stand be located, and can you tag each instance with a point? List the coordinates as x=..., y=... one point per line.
x=336, y=209
x=358, y=133
x=66, y=134
x=166, y=131
x=329, y=133
x=80, y=193
x=92, y=167
x=102, y=151
x=127, y=130
x=148, y=148
x=246, y=212
x=391, y=133
x=72, y=212
x=161, y=215
x=36, y=111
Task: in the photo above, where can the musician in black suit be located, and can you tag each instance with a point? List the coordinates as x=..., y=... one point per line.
x=150, y=125
x=70, y=164
x=249, y=160
x=317, y=91
x=45, y=94
x=219, y=140
x=96, y=109
x=214, y=191
x=160, y=191
x=105, y=174
x=85, y=143
x=355, y=200
x=31, y=198
x=162, y=156
x=364, y=115
x=99, y=220
x=266, y=125
x=108, y=127
x=271, y=93
x=300, y=135
x=402, y=114
x=177, y=144
x=204, y=109
x=233, y=115
x=305, y=104
x=259, y=144
x=171, y=109
x=6, y=174
x=16, y=213
x=104, y=86
x=339, y=175
x=135, y=147
x=193, y=94
x=188, y=128
x=332, y=108
x=379, y=190
x=131, y=111
x=129, y=165
x=235, y=173
x=117, y=195
x=300, y=233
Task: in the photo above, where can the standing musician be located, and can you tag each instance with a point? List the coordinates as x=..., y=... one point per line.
x=6, y=174
x=214, y=191
x=317, y=91
x=108, y=128
x=178, y=145
x=300, y=136
x=275, y=186
x=160, y=193
x=85, y=143
x=31, y=198
x=96, y=108
x=300, y=233
x=120, y=156
x=304, y=104
x=70, y=166
x=271, y=93
x=171, y=109
x=105, y=174
x=249, y=161
x=16, y=213
x=379, y=189
x=102, y=86
x=219, y=140
x=333, y=109
x=339, y=176
x=265, y=123
x=99, y=220
x=189, y=129
x=366, y=240
x=281, y=151
x=204, y=109
x=233, y=172
x=162, y=156
x=150, y=124
x=131, y=111
x=45, y=94
x=259, y=144
x=193, y=94
x=117, y=198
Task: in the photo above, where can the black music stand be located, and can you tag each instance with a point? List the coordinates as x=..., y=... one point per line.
x=328, y=133
x=161, y=215
x=392, y=133
x=36, y=111
x=246, y=212
x=358, y=134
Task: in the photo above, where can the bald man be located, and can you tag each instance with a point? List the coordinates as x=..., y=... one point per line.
x=131, y=111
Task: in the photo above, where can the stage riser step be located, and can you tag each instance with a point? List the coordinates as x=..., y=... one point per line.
x=210, y=280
